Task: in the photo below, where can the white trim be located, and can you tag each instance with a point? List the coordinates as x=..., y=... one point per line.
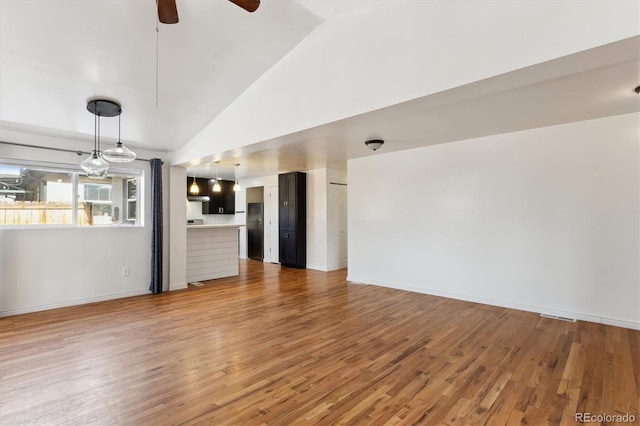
x=75, y=302
x=317, y=268
x=76, y=171
x=70, y=226
x=65, y=167
x=502, y=303
x=180, y=286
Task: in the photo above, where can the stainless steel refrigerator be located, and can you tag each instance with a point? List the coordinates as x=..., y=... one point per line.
x=255, y=231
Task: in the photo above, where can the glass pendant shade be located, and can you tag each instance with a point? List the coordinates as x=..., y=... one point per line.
x=119, y=154
x=216, y=186
x=194, y=188
x=95, y=167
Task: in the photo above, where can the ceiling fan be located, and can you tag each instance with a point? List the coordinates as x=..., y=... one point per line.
x=168, y=12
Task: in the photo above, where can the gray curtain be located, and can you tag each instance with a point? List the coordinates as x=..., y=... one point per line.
x=156, y=226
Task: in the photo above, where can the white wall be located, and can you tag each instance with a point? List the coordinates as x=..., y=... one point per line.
x=545, y=220
x=48, y=268
x=45, y=269
x=317, y=219
x=177, y=233
x=340, y=62
x=325, y=219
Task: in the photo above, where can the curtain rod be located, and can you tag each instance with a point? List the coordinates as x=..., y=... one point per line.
x=78, y=152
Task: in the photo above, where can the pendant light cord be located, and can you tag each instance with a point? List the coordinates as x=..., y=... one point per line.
x=157, y=55
x=95, y=133
x=98, y=115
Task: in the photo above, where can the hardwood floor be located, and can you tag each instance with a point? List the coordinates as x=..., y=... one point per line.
x=284, y=346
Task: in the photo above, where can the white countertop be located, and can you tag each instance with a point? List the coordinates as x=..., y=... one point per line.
x=216, y=225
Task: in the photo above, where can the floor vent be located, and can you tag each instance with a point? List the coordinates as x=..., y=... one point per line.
x=196, y=283
x=558, y=317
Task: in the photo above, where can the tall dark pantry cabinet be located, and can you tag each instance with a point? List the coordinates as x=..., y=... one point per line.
x=292, y=212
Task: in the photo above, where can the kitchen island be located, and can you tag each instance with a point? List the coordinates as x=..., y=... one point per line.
x=212, y=251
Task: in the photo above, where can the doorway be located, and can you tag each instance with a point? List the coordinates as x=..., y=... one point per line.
x=255, y=223
x=337, y=223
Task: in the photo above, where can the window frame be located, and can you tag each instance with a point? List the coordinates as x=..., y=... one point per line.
x=75, y=175
x=128, y=200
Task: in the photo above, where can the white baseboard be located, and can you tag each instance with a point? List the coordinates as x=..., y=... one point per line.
x=502, y=303
x=317, y=268
x=180, y=286
x=326, y=268
x=74, y=302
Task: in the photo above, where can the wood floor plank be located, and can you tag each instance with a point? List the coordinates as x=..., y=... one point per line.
x=279, y=346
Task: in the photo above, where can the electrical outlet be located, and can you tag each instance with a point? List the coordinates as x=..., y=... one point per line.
x=125, y=271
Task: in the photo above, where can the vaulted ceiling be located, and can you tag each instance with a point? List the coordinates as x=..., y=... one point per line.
x=218, y=85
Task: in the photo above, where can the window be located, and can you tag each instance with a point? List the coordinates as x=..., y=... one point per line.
x=132, y=199
x=41, y=194
x=98, y=197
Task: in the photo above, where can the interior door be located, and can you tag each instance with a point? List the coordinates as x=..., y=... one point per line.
x=337, y=223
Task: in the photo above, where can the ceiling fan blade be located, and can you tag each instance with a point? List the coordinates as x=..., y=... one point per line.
x=167, y=11
x=248, y=5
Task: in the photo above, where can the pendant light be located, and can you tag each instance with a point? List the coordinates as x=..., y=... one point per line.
x=216, y=184
x=95, y=166
x=236, y=186
x=194, y=189
x=119, y=153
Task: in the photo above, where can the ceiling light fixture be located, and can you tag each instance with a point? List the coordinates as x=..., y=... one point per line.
x=119, y=153
x=194, y=189
x=236, y=186
x=216, y=183
x=95, y=166
x=374, y=144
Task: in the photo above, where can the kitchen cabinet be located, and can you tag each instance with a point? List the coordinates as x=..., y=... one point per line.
x=292, y=219
x=202, y=185
x=288, y=246
x=223, y=202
